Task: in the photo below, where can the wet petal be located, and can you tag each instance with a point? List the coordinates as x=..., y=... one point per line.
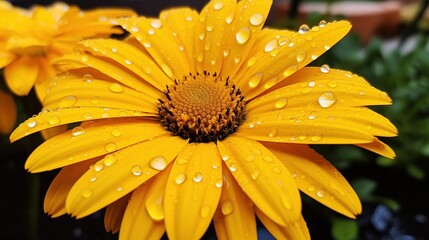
x=297, y=230
x=90, y=140
x=114, y=214
x=234, y=217
x=6, y=57
x=46, y=73
x=137, y=224
x=303, y=89
x=21, y=75
x=55, y=198
x=265, y=180
x=154, y=197
x=318, y=178
x=192, y=182
x=125, y=170
x=300, y=51
x=378, y=147
x=161, y=44
x=8, y=113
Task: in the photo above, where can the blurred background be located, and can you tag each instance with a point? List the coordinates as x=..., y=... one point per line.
x=388, y=46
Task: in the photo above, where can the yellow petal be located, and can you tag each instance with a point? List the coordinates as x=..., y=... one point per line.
x=21, y=75
x=55, y=198
x=120, y=173
x=318, y=178
x=108, y=68
x=45, y=76
x=8, y=113
x=90, y=140
x=130, y=58
x=335, y=126
x=249, y=15
x=154, y=197
x=310, y=83
x=265, y=180
x=97, y=93
x=289, y=58
x=54, y=117
x=191, y=195
x=6, y=57
x=297, y=230
x=53, y=131
x=137, y=224
x=378, y=147
x=114, y=214
x=234, y=217
x=161, y=44
x=184, y=21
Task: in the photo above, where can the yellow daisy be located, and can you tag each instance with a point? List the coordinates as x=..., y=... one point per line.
x=204, y=116
x=31, y=39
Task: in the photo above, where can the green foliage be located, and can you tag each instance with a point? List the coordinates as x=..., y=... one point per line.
x=344, y=229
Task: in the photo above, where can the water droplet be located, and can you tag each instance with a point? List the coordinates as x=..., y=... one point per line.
x=271, y=45
x=167, y=70
x=116, y=132
x=334, y=186
x=151, y=31
x=67, y=101
x=87, y=78
x=181, y=48
x=251, y=61
x=202, y=35
x=312, y=84
x=314, y=56
x=114, y=50
x=198, y=177
x=316, y=137
x=110, y=147
x=313, y=115
x=180, y=178
x=273, y=133
x=78, y=131
x=136, y=170
x=301, y=56
x=209, y=28
x=320, y=193
x=271, y=82
x=219, y=183
x=237, y=59
x=327, y=47
x=256, y=19
x=283, y=40
x=322, y=24
x=93, y=178
x=156, y=23
x=95, y=100
x=128, y=62
x=86, y=193
x=147, y=44
x=255, y=80
x=327, y=99
x=109, y=160
x=311, y=188
x=225, y=157
x=281, y=103
x=53, y=119
x=31, y=123
x=250, y=158
x=158, y=163
x=225, y=53
x=84, y=58
x=218, y=6
x=302, y=137
x=98, y=167
x=325, y=68
x=304, y=28
x=233, y=167
x=268, y=159
x=205, y=211
x=182, y=161
x=290, y=70
x=227, y=207
x=134, y=29
x=254, y=173
x=116, y=88
x=332, y=84
x=243, y=35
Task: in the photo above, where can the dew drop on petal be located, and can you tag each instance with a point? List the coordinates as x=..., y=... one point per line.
x=311, y=188
x=158, y=163
x=332, y=84
x=134, y=29
x=327, y=99
x=86, y=193
x=116, y=132
x=182, y=161
x=281, y=103
x=255, y=80
x=116, y=88
x=322, y=24
x=243, y=35
x=227, y=207
x=251, y=61
x=114, y=50
x=271, y=45
x=312, y=84
x=128, y=62
x=110, y=147
x=325, y=68
x=229, y=19
x=98, y=167
x=53, y=119
x=109, y=160
x=209, y=28
x=79, y=130
x=256, y=19
x=301, y=56
x=254, y=173
x=136, y=170
x=273, y=133
x=198, y=177
x=119, y=188
x=218, y=6
x=225, y=157
x=95, y=100
x=205, y=211
x=268, y=159
x=283, y=40
x=316, y=137
x=67, y=101
x=290, y=70
x=31, y=123
x=320, y=193
x=219, y=183
x=156, y=23
x=180, y=178
x=233, y=167
x=167, y=70
x=250, y=158
x=304, y=28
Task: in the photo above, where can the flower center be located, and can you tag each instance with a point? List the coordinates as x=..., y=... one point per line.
x=202, y=108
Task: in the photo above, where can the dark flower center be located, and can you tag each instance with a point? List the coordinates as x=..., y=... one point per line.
x=202, y=108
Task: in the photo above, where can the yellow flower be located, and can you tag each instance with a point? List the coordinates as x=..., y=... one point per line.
x=31, y=39
x=200, y=117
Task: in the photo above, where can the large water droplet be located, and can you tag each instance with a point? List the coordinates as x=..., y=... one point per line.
x=31, y=123
x=116, y=88
x=271, y=45
x=136, y=170
x=116, y=132
x=205, y=211
x=86, y=193
x=98, y=167
x=110, y=147
x=283, y=40
x=256, y=19
x=53, y=119
x=290, y=70
x=79, y=130
x=255, y=80
x=243, y=35
x=109, y=160
x=227, y=207
x=67, y=101
x=322, y=24
x=218, y=6
x=281, y=103
x=320, y=193
x=233, y=167
x=156, y=23
x=229, y=19
x=198, y=177
x=180, y=178
x=273, y=133
x=304, y=28
x=325, y=68
x=158, y=163
x=327, y=99
x=300, y=56
x=219, y=183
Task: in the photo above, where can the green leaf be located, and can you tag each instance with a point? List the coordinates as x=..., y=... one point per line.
x=344, y=229
x=385, y=162
x=416, y=172
x=364, y=188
